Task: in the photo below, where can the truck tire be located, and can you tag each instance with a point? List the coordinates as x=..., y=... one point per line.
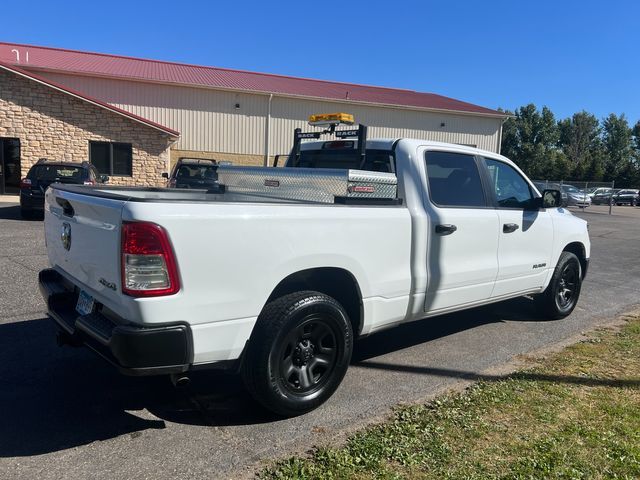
x=298, y=353
x=561, y=296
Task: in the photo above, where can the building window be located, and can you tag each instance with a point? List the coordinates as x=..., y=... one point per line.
x=111, y=158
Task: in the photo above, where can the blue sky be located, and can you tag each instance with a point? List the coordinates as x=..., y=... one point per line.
x=569, y=55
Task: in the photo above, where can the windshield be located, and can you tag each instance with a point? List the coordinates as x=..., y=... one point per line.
x=570, y=189
x=375, y=160
x=56, y=173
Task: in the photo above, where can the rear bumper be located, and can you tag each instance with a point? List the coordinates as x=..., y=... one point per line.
x=134, y=350
x=31, y=202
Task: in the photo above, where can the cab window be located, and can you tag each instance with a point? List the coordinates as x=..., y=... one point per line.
x=511, y=189
x=454, y=180
x=346, y=158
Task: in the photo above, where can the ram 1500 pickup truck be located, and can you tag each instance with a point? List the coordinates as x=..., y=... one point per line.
x=279, y=285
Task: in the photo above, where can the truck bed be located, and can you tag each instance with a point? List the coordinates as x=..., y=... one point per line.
x=269, y=185
x=171, y=195
x=231, y=249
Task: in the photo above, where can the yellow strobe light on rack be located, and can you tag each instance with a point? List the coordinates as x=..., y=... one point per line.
x=331, y=119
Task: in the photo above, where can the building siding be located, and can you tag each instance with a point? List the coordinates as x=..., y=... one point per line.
x=210, y=122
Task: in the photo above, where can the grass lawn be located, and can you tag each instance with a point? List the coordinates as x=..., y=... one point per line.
x=573, y=415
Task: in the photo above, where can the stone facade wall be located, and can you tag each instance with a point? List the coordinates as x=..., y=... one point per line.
x=57, y=126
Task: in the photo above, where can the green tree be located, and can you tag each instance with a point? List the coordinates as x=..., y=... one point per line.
x=595, y=169
x=617, y=142
x=635, y=132
x=530, y=139
x=580, y=142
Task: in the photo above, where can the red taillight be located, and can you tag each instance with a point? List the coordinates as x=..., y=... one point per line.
x=148, y=264
x=25, y=183
x=89, y=182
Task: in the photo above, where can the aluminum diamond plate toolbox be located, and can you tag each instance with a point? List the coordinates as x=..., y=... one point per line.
x=309, y=184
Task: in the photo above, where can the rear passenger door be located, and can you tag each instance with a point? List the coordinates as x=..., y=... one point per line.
x=525, y=233
x=462, y=243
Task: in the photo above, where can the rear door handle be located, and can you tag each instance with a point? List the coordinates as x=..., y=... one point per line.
x=446, y=229
x=510, y=227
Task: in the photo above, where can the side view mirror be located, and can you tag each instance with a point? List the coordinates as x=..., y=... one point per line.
x=165, y=175
x=104, y=178
x=551, y=199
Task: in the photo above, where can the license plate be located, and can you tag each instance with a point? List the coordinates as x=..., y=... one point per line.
x=85, y=303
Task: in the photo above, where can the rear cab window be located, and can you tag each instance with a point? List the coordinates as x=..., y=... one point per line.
x=343, y=155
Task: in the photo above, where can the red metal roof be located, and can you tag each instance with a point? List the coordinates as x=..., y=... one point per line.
x=86, y=63
x=82, y=96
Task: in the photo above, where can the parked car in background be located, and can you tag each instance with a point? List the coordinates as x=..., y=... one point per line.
x=601, y=195
x=46, y=172
x=628, y=196
x=575, y=197
x=544, y=185
x=193, y=173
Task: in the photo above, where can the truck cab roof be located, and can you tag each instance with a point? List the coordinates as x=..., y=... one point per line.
x=390, y=144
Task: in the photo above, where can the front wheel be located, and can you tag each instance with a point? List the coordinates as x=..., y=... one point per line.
x=298, y=353
x=561, y=296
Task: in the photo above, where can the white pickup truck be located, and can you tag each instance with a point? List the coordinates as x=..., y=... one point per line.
x=167, y=281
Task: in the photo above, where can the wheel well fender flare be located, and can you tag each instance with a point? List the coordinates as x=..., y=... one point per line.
x=336, y=282
x=578, y=249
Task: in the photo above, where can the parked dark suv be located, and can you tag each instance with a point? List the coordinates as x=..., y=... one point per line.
x=46, y=172
x=628, y=196
x=194, y=173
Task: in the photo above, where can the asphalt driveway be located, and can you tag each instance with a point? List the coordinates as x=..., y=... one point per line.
x=64, y=413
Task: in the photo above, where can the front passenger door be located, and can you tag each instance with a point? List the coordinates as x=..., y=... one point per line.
x=525, y=235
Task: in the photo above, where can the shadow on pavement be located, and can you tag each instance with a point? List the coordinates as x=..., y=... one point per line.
x=57, y=398
x=10, y=211
x=415, y=333
x=466, y=375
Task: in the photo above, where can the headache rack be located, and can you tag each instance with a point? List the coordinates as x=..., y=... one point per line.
x=359, y=133
x=322, y=185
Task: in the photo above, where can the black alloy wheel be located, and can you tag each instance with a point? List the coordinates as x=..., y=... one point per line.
x=298, y=353
x=567, y=287
x=562, y=294
x=308, y=355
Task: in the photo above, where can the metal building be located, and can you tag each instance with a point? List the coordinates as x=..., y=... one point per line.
x=248, y=117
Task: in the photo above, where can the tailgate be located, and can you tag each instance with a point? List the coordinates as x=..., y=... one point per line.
x=82, y=234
